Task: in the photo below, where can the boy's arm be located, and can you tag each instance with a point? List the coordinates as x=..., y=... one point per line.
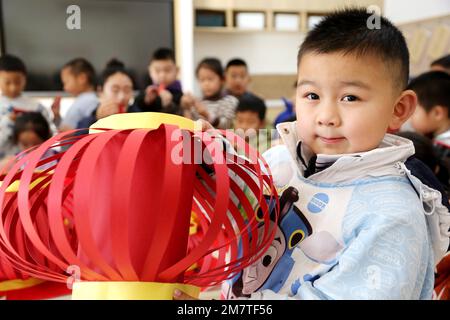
x=227, y=112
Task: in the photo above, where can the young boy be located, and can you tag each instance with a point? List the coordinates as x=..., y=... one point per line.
x=237, y=80
x=165, y=93
x=13, y=77
x=432, y=116
x=79, y=79
x=250, y=121
x=355, y=223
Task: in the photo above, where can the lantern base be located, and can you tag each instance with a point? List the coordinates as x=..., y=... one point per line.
x=128, y=290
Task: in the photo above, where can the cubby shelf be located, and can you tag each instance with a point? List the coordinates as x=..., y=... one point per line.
x=294, y=16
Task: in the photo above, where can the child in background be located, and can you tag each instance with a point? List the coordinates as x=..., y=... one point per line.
x=215, y=107
x=13, y=77
x=165, y=93
x=425, y=152
x=30, y=130
x=354, y=222
x=115, y=92
x=237, y=80
x=250, y=122
x=432, y=115
x=78, y=77
x=441, y=64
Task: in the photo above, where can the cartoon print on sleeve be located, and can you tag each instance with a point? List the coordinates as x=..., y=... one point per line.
x=272, y=269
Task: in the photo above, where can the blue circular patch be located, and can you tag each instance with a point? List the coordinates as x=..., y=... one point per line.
x=318, y=202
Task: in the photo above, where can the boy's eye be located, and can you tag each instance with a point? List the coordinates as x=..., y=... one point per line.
x=350, y=98
x=312, y=96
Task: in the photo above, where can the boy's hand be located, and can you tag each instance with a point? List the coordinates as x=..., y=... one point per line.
x=201, y=109
x=187, y=101
x=203, y=125
x=180, y=295
x=151, y=92
x=166, y=98
x=107, y=107
x=56, y=106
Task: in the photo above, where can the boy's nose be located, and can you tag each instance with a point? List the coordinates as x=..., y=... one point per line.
x=328, y=116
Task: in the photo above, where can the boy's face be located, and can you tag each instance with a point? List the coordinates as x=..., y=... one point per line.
x=163, y=71
x=28, y=139
x=72, y=84
x=344, y=104
x=237, y=80
x=426, y=122
x=246, y=120
x=12, y=84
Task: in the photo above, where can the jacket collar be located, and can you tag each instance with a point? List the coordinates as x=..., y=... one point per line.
x=378, y=162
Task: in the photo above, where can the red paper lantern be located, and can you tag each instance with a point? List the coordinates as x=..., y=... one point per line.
x=117, y=204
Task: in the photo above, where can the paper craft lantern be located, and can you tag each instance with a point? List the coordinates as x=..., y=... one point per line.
x=118, y=205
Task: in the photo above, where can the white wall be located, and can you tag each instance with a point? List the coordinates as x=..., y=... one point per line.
x=264, y=52
x=275, y=52
x=184, y=42
x=403, y=11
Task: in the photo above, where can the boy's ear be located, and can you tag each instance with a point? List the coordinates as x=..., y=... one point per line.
x=403, y=109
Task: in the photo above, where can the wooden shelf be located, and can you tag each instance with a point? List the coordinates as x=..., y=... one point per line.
x=239, y=30
x=270, y=8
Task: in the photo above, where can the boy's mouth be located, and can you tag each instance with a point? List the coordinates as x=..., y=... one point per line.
x=331, y=140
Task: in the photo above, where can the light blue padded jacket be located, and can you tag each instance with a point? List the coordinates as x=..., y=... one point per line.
x=372, y=230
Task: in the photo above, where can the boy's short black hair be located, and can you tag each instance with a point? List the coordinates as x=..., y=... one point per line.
x=212, y=64
x=163, y=54
x=348, y=31
x=252, y=103
x=237, y=62
x=10, y=63
x=432, y=89
x=442, y=61
x=33, y=121
x=81, y=65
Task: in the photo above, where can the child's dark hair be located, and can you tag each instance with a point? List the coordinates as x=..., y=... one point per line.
x=80, y=65
x=426, y=152
x=10, y=63
x=237, y=62
x=33, y=121
x=112, y=67
x=348, y=31
x=163, y=54
x=432, y=89
x=253, y=104
x=212, y=64
x=442, y=61
x=423, y=148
